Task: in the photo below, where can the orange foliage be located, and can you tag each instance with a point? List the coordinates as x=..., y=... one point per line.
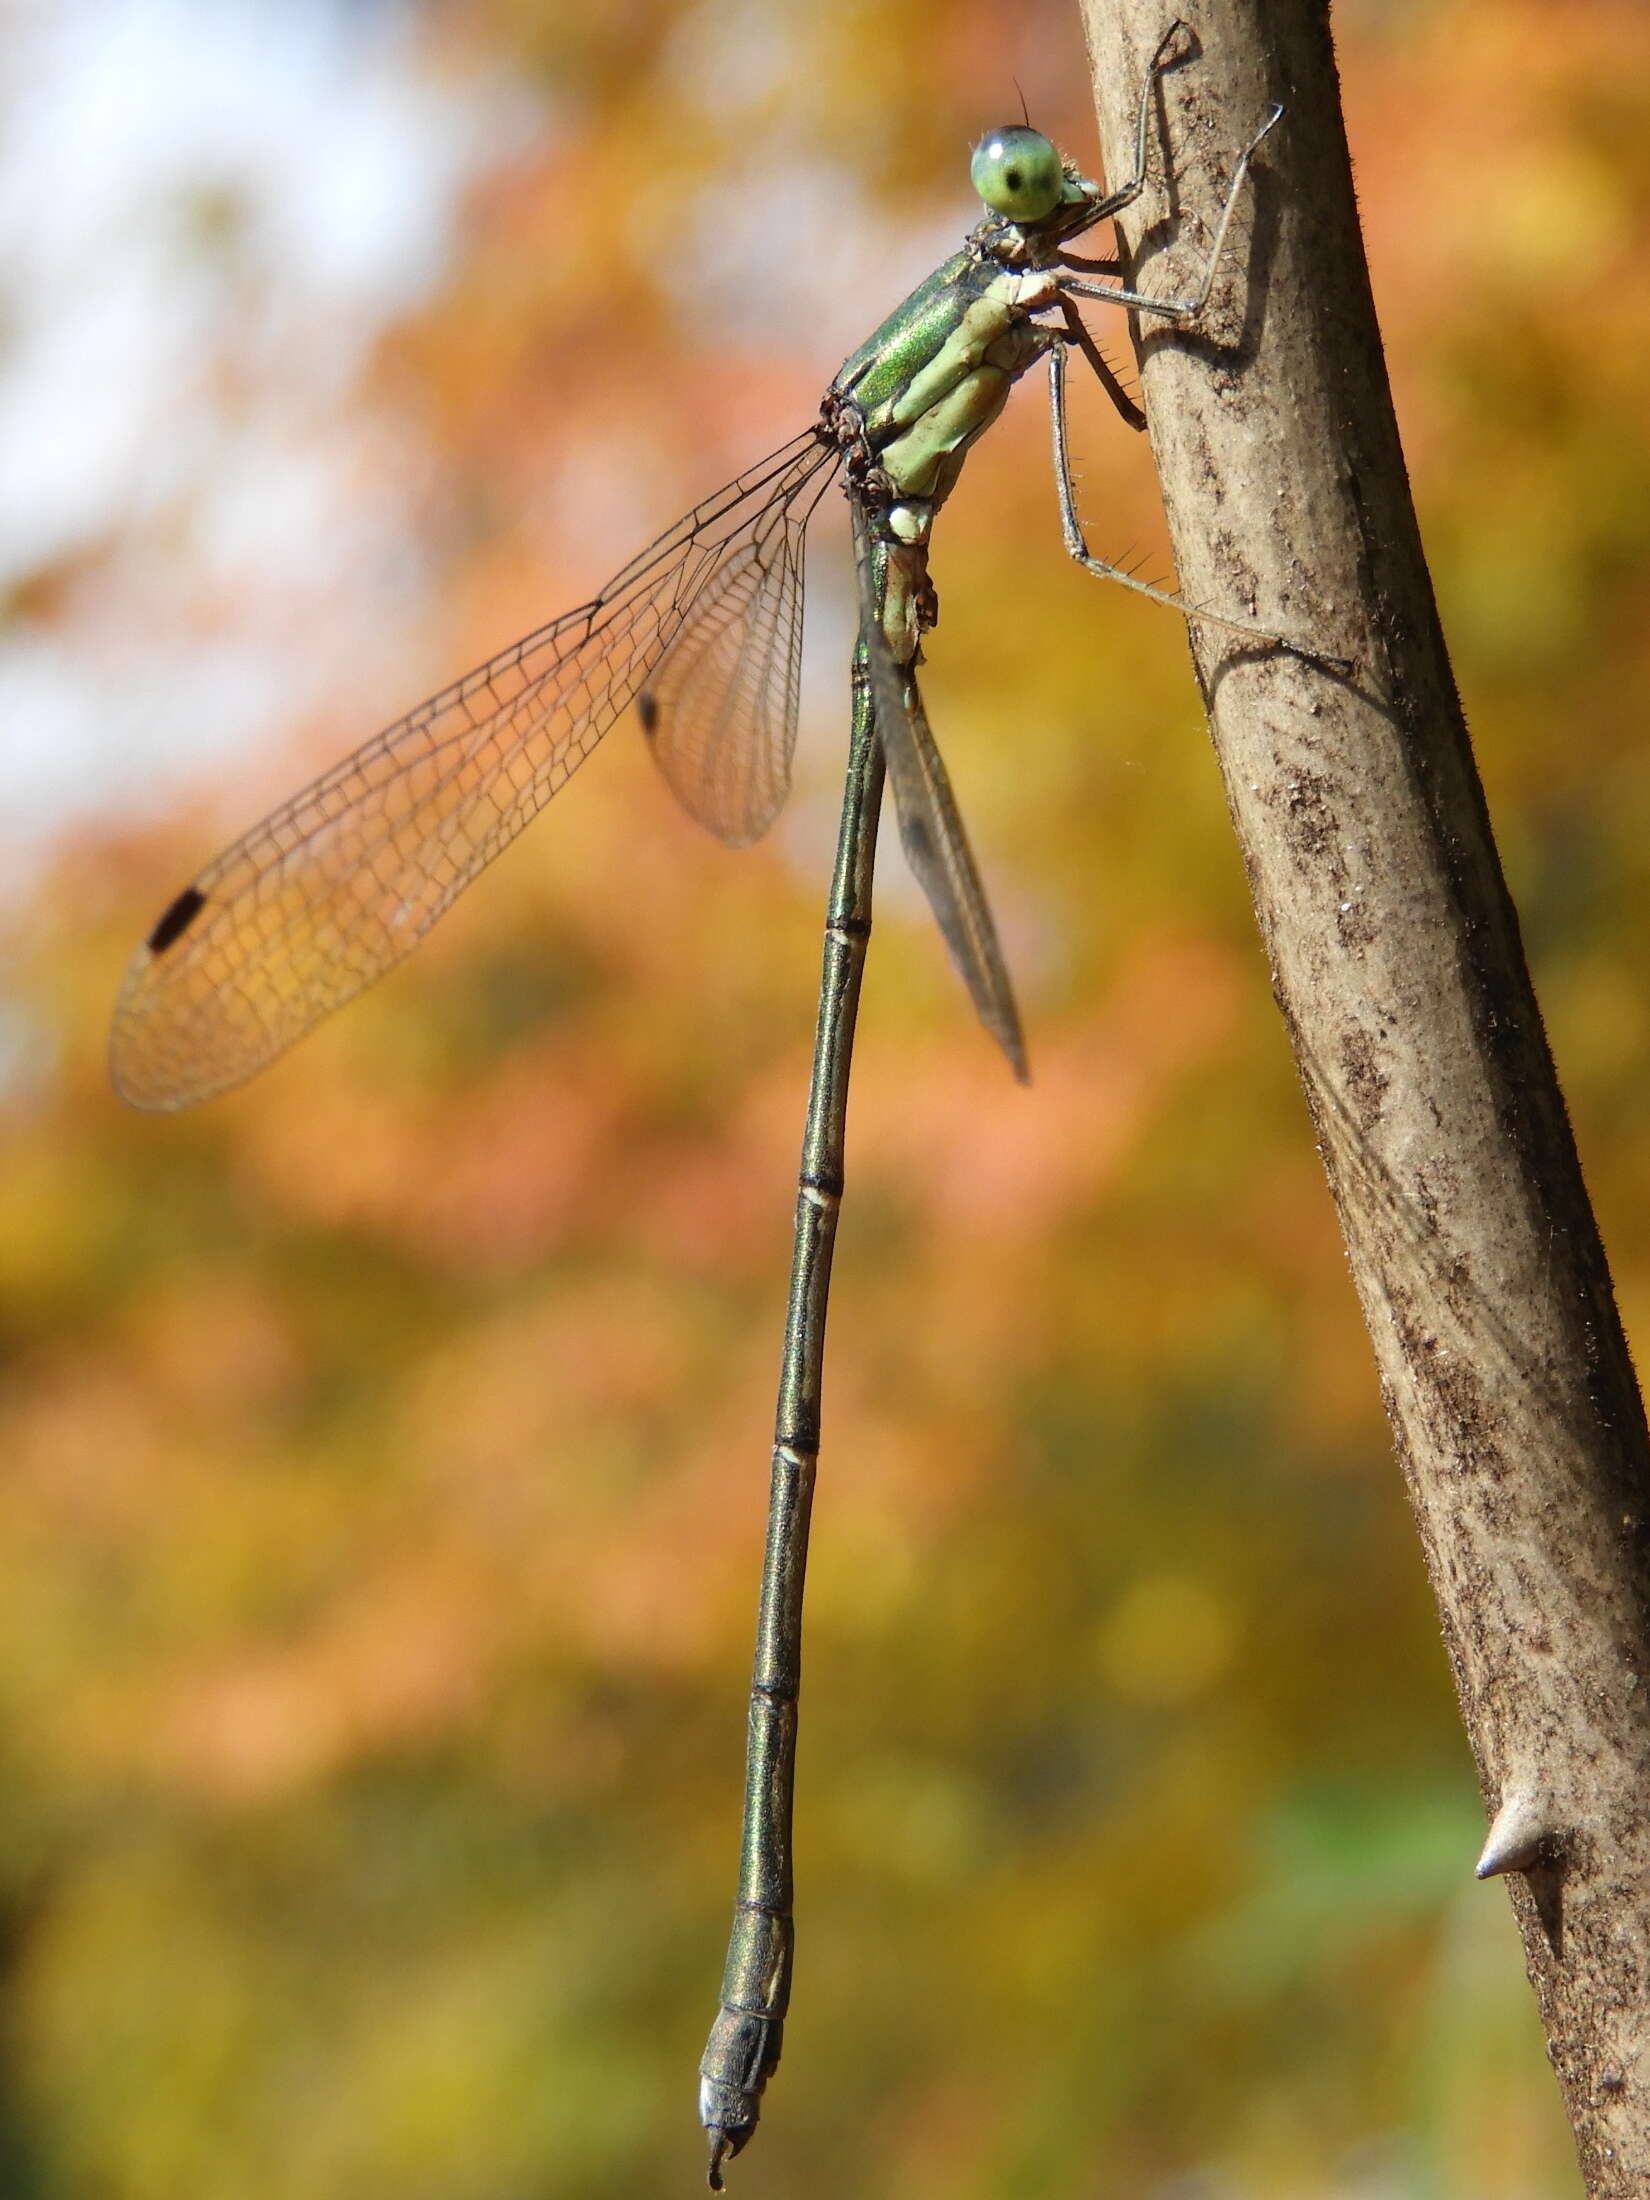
x=385, y=1446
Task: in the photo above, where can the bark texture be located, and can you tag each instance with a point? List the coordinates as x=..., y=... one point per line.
x=1397, y=965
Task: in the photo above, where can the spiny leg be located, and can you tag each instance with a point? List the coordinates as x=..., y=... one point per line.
x=1104, y=372
x=1184, y=309
x=1126, y=193
x=1071, y=528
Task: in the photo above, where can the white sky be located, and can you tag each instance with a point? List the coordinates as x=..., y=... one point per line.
x=209, y=210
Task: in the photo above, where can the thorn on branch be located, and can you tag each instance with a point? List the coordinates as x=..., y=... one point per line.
x=1523, y=1834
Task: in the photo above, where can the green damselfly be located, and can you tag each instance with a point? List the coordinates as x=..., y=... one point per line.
x=702, y=632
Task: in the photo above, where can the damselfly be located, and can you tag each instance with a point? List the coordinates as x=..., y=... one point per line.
x=702, y=632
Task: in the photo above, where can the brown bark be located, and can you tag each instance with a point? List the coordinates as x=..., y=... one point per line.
x=1397, y=964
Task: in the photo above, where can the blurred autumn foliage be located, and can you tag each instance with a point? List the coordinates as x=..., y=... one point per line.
x=383, y=1450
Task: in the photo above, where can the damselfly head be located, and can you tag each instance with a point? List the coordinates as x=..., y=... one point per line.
x=1019, y=173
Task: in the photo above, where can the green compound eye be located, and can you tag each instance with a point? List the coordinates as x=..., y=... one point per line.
x=1018, y=173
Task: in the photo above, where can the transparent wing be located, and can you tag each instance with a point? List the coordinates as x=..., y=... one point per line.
x=931, y=831
x=339, y=883
x=720, y=708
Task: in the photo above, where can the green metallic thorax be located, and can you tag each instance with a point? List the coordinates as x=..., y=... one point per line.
x=915, y=330
x=914, y=398
x=938, y=372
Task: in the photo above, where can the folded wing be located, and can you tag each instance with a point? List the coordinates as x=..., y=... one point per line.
x=931, y=829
